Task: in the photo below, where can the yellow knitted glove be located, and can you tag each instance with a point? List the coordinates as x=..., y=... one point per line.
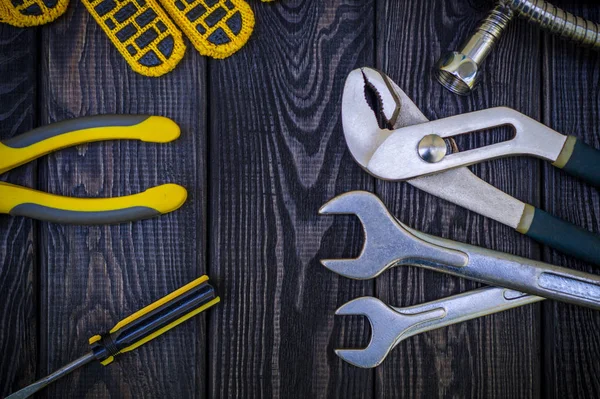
x=23, y=13
x=216, y=28
x=152, y=45
x=142, y=32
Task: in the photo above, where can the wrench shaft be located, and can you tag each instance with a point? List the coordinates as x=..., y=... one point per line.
x=466, y=306
x=526, y=275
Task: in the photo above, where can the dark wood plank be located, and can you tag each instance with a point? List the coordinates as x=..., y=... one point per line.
x=95, y=276
x=495, y=356
x=277, y=155
x=572, y=106
x=18, y=272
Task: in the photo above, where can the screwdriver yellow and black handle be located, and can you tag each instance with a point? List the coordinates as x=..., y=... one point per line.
x=154, y=320
x=21, y=201
x=138, y=329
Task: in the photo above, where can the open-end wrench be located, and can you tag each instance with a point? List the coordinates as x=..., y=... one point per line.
x=364, y=137
x=390, y=325
x=389, y=243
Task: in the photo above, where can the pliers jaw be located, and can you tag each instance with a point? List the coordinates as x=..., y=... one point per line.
x=372, y=106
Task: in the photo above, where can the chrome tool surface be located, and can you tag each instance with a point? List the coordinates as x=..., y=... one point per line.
x=365, y=137
x=391, y=325
x=390, y=243
x=459, y=71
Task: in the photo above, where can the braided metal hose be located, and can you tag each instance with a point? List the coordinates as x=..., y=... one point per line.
x=459, y=71
x=557, y=21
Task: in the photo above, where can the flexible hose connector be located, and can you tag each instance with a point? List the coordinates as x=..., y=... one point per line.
x=557, y=21
x=459, y=71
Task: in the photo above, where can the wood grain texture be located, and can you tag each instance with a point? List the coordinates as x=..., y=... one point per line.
x=494, y=356
x=262, y=149
x=96, y=276
x=277, y=155
x=572, y=106
x=18, y=273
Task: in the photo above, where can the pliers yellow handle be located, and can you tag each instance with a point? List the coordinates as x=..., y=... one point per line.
x=21, y=201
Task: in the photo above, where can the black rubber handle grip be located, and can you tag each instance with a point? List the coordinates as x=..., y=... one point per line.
x=564, y=236
x=584, y=163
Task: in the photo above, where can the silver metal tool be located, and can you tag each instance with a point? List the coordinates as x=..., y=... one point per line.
x=399, y=158
x=389, y=243
x=419, y=149
x=391, y=325
x=459, y=71
x=364, y=138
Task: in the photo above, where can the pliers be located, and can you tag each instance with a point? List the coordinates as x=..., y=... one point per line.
x=408, y=146
x=21, y=201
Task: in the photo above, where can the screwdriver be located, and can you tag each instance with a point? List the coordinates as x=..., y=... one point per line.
x=137, y=329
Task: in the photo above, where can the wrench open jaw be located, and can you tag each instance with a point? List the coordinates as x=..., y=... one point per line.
x=389, y=326
x=384, y=236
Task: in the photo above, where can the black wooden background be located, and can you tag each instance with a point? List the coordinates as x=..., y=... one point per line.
x=261, y=150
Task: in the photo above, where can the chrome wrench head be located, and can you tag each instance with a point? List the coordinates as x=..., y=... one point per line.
x=389, y=327
x=388, y=242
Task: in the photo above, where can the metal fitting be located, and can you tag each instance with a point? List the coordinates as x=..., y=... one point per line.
x=459, y=71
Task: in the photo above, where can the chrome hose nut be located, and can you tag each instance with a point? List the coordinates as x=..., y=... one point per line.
x=459, y=71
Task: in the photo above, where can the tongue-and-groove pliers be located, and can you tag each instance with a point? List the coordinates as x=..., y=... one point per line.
x=382, y=149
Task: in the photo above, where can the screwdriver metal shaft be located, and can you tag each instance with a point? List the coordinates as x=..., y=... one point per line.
x=61, y=372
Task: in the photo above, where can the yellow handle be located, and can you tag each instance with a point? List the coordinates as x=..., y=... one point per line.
x=21, y=201
x=167, y=298
x=41, y=141
x=154, y=320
